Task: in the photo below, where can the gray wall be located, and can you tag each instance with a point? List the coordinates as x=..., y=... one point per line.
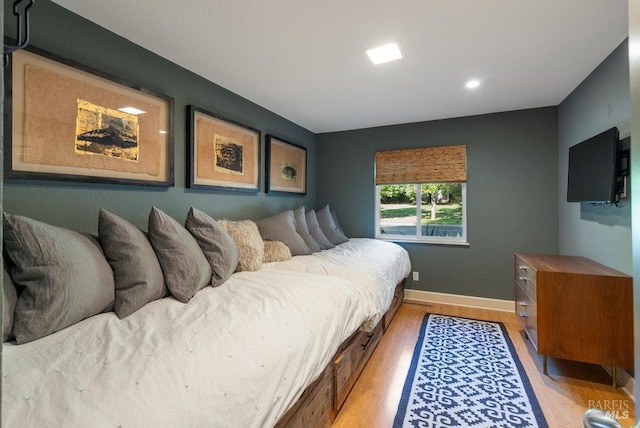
x=511, y=193
x=76, y=205
x=601, y=101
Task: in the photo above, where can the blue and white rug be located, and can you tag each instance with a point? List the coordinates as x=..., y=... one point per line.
x=466, y=373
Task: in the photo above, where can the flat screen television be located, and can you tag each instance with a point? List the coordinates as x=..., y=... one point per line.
x=593, y=169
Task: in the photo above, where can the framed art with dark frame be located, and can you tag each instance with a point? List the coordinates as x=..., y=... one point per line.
x=222, y=154
x=286, y=167
x=66, y=121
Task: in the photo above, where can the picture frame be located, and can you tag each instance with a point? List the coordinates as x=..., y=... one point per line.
x=66, y=121
x=286, y=167
x=223, y=155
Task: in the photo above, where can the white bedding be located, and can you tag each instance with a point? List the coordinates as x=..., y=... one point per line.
x=235, y=356
x=377, y=266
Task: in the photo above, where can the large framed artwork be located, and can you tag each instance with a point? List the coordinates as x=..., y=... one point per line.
x=223, y=154
x=66, y=121
x=286, y=167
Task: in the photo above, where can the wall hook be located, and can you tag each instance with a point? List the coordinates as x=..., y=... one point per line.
x=21, y=11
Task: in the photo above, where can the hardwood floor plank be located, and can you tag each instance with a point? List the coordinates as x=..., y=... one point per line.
x=564, y=395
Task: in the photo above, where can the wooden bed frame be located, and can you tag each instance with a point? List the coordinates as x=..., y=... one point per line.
x=322, y=400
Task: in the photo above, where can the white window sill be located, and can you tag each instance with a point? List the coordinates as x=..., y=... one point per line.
x=427, y=241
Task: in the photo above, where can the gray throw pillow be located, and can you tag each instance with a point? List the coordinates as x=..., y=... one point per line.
x=325, y=220
x=9, y=300
x=65, y=276
x=337, y=223
x=216, y=244
x=185, y=268
x=282, y=227
x=136, y=269
x=303, y=229
x=316, y=231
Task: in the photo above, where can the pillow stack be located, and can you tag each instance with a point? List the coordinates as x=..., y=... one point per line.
x=303, y=233
x=282, y=227
x=55, y=277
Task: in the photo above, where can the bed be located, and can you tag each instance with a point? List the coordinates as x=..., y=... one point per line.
x=280, y=345
x=376, y=266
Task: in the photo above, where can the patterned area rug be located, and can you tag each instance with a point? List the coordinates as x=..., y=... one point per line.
x=466, y=373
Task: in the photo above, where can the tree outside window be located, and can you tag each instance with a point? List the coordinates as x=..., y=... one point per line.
x=426, y=212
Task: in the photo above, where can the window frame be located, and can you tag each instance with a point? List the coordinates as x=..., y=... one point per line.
x=419, y=238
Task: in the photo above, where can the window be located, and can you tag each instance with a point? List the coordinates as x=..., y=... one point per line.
x=421, y=195
x=433, y=212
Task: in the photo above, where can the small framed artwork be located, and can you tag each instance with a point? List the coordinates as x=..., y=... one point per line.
x=66, y=121
x=286, y=167
x=223, y=154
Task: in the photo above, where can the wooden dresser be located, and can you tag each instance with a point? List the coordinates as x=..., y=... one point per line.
x=576, y=309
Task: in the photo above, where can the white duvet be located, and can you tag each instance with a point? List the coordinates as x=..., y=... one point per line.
x=235, y=356
x=238, y=355
x=376, y=266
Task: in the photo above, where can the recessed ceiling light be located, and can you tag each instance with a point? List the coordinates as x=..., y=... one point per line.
x=472, y=84
x=131, y=110
x=384, y=53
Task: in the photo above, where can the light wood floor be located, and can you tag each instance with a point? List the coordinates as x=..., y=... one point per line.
x=569, y=390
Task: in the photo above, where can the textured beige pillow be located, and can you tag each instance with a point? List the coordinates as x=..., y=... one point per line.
x=276, y=251
x=250, y=245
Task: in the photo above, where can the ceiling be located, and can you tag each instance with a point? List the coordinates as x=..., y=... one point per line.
x=305, y=60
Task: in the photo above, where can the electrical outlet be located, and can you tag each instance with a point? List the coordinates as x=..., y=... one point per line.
x=416, y=276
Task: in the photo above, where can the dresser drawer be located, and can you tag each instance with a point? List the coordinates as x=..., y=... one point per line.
x=525, y=271
x=351, y=361
x=525, y=277
x=315, y=408
x=527, y=287
x=527, y=311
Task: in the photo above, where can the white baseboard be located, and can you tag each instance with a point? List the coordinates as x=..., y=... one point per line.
x=424, y=297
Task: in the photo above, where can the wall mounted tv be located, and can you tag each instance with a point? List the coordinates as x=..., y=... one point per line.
x=593, y=169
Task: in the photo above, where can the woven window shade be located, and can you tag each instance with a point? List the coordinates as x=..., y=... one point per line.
x=426, y=165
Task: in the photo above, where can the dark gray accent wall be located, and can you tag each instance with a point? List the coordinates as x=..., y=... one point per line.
x=76, y=205
x=600, y=102
x=511, y=193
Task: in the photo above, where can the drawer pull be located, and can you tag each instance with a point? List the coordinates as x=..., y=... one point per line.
x=366, y=344
x=522, y=267
x=522, y=278
x=523, y=314
x=524, y=304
